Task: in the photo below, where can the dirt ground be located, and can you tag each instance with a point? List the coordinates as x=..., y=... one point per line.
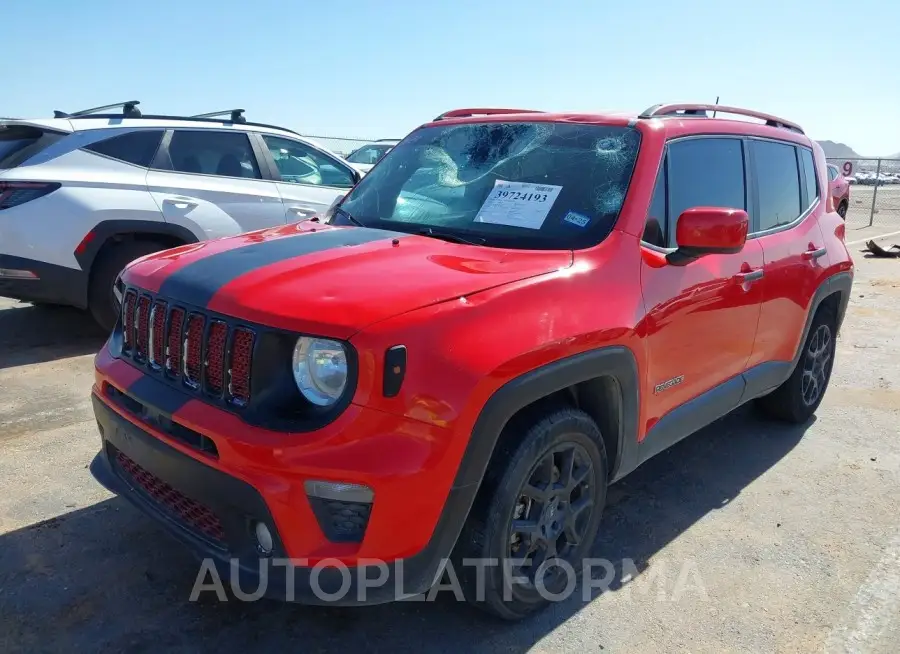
x=788, y=539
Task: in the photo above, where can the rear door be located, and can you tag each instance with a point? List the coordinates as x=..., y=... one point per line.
x=309, y=179
x=784, y=221
x=701, y=318
x=211, y=180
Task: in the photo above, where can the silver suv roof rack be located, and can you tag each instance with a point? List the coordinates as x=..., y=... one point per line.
x=693, y=109
x=129, y=110
x=236, y=115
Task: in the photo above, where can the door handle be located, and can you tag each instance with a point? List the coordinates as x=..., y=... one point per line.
x=181, y=203
x=749, y=277
x=812, y=254
x=302, y=211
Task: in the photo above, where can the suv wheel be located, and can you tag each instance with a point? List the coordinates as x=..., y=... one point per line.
x=536, y=516
x=797, y=399
x=102, y=301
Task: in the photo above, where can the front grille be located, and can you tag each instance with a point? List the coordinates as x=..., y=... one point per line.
x=157, y=345
x=128, y=310
x=192, y=514
x=199, y=353
x=215, y=356
x=193, y=350
x=143, y=326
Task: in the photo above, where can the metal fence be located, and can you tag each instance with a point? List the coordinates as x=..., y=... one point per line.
x=339, y=145
x=874, y=191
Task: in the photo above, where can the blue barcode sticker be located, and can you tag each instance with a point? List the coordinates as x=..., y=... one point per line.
x=577, y=219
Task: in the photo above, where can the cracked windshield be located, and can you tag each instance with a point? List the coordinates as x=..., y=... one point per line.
x=530, y=185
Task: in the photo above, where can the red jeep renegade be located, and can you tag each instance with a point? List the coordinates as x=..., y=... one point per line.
x=511, y=311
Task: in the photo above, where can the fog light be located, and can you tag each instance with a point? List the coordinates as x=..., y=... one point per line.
x=264, y=541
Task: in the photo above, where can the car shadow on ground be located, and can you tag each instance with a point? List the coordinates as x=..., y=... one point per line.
x=106, y=578
x=36, y=334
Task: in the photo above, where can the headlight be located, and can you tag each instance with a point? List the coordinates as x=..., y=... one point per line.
x=320, y=369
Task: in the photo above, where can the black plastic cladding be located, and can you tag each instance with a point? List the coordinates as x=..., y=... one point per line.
x=275, y=402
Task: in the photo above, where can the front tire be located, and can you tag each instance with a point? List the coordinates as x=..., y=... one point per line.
x=536, y=516
x=798, y=398
x=101, y=300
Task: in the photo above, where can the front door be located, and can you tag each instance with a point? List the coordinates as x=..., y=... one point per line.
x=309, y=180
x=701, y=318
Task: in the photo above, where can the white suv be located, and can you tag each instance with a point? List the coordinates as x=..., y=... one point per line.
x=85, y=193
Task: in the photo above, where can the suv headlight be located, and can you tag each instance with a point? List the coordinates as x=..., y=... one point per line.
x=320, y=369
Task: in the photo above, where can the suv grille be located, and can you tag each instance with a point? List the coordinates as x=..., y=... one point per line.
x=201, y=354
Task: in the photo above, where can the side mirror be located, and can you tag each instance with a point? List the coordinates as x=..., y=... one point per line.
x=709, y=230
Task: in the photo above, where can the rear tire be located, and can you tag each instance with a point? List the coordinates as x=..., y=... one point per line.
x=797, y=399
x=543, y=493
x=101, y=301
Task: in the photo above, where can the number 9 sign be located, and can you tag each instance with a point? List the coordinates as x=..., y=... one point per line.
x=848, y=168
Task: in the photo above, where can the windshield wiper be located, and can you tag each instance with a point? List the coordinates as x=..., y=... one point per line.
x=453, y=238
x=347, y=215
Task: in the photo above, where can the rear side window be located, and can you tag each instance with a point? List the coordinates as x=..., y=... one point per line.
x=832, y=173
x=778, y=179
x=226, y=154
x=705, y=172
x=810, y=182
x=136, y=148
x=21, y=142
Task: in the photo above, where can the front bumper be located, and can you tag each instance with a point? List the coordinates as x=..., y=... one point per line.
x=234, y=556
x=232, y=475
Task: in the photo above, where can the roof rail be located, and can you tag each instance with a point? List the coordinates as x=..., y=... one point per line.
x=237, y=115
x=465, y=113
x=196, y=119
x=692, y=109
x=129, y=110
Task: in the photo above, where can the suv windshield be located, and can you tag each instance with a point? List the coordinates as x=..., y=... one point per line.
x=369, y=154
x=529, y=185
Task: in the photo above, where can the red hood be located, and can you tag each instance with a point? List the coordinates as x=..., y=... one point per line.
x=329, y=280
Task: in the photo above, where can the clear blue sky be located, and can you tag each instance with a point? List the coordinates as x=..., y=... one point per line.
x=378, y=69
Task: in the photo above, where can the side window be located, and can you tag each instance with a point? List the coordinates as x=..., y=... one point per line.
x=832, y=173
x=655, y=229
x=810, y=181
x=705, y=172
x=301, y=164
x=138, y=147
x=778, y=179
x=209, y=152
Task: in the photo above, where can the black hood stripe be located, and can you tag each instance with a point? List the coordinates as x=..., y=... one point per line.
x=199, y=281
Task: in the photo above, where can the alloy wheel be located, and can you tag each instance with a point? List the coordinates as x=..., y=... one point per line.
x=552, y=512
x=815, y=365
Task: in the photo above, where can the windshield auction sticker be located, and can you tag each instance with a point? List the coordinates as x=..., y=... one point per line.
x=518, y=204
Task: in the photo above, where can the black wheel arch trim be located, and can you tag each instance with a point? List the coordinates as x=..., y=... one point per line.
x=104, y=231
x=617, y=362
x=841, y=282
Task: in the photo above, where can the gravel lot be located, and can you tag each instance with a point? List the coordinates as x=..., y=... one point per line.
x=791, y=536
